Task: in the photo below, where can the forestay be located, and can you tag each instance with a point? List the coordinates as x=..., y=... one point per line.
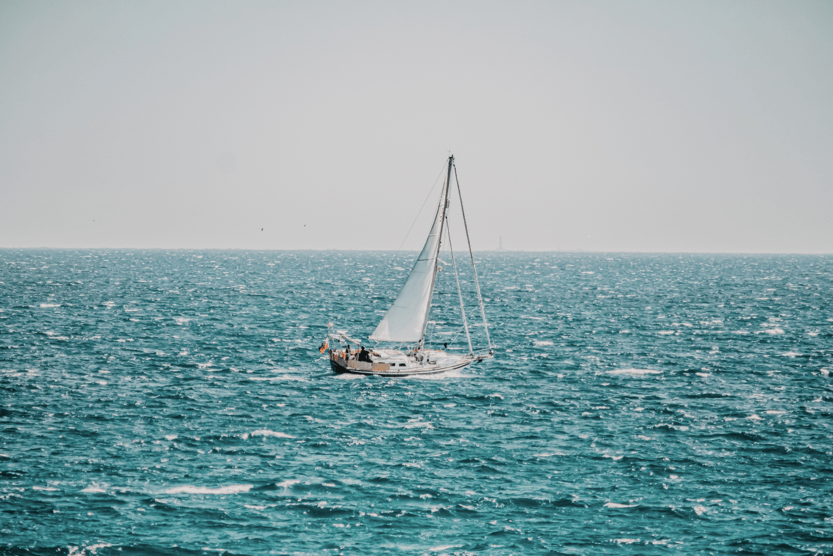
x=405, y=320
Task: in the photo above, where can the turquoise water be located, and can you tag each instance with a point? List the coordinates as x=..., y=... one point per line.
x=175, y=403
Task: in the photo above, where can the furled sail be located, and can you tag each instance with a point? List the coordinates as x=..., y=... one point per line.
x=405, y=320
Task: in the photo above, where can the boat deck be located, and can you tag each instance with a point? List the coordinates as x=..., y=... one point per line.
x=396, y=363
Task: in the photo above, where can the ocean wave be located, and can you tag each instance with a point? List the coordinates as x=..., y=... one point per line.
x=190, y=489
x=633, y=372
x=267, y=432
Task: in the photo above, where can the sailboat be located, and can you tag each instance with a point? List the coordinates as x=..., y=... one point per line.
x=406, y=322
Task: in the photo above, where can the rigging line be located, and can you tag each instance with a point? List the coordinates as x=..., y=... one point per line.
x=476, y=282
x=418, y=213
x=442, y=211
x=459, y=291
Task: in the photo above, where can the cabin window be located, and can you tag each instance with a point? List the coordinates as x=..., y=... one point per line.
x=402, y=364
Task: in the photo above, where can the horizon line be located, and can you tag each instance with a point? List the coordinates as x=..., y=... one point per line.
x=565, y=251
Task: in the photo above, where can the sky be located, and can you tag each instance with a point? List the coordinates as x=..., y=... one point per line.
x=640, y=126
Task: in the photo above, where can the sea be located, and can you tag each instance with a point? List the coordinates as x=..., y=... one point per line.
x=176, y=403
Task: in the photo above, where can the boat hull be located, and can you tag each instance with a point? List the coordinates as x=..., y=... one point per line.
x=341, y=366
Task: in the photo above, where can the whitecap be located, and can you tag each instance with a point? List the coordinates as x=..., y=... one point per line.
x=181, y=320
x=288, y=483
x=171, y=437
x=277, y=378
x=414, y=423
x=700, y=510
x=615, y=505
x=74, y=551
x=254, y=507
x=189, y=489
x=634, y=372
x=665, y=332
x=542, y=342
x=267, y=432
x=49, y=305
x=444, y=547
x=626, y=541
x=94, y=489
x=349, y=376
x=50, y=489
x=775, y=412
x=754, y=417
x=791, y=354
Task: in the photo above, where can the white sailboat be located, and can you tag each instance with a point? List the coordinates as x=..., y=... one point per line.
x=406, y=321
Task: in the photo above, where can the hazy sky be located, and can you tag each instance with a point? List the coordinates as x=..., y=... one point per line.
x=605, y=126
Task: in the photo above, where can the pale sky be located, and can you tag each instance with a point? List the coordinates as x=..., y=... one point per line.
x=602, y=126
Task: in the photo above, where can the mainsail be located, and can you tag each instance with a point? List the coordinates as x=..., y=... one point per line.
x=405, y=321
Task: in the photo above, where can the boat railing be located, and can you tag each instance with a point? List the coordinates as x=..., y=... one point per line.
x=481, y=354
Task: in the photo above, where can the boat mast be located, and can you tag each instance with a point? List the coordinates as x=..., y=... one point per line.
x=443, y=206
x=473, y=266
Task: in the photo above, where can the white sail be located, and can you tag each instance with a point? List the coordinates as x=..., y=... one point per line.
x=405, y=320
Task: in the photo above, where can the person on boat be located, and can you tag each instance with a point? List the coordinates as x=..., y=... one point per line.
x=347, y=352
x=365, y=356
